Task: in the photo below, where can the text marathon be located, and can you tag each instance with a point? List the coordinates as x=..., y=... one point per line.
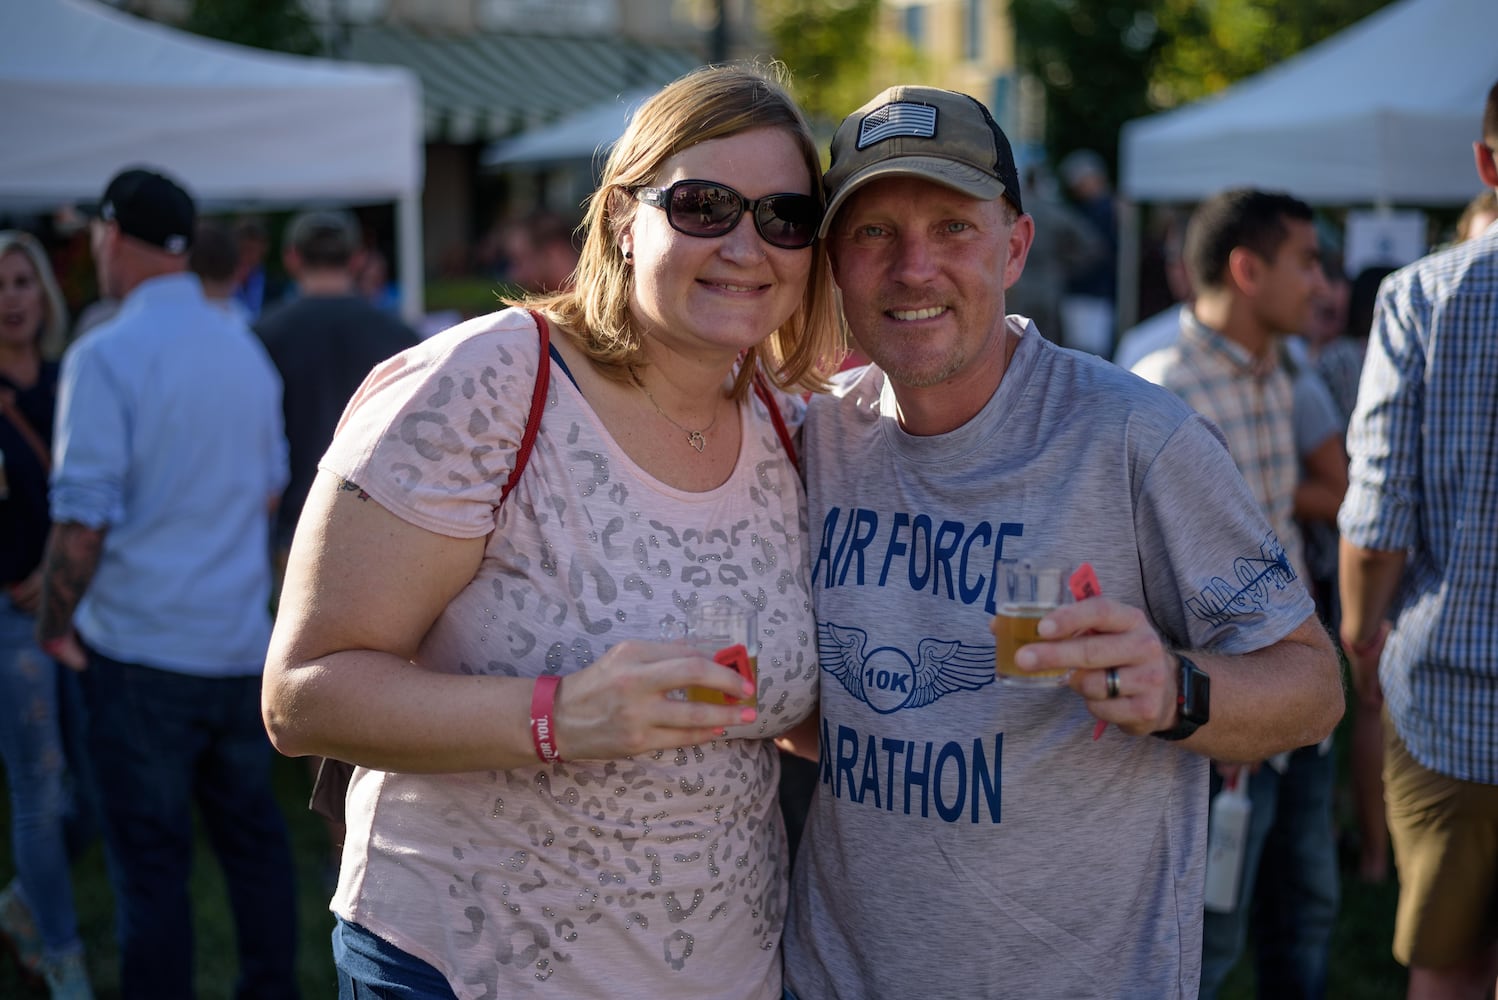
x=960, y=782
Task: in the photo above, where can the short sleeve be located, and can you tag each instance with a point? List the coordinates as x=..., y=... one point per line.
x=1316, y=415
x=1216, y=575
x=1385, y=443
x=433, y=432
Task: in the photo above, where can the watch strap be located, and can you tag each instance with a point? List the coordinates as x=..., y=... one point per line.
x=1190, y=716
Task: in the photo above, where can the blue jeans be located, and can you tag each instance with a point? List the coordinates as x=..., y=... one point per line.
x=1290, y=888
x=52, y=809
x=371, y=968
x=162, y=741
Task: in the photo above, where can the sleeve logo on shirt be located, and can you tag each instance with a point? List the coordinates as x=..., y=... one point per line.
x=1257, y=578
x=888, y=680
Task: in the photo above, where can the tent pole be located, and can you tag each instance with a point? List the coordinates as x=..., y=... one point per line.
x=1127, y=302
x=408, y=250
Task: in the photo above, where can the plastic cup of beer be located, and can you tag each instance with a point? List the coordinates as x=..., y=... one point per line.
x=1028, y=591
x=728, y=633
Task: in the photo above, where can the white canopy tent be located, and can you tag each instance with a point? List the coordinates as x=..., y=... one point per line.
x=583, y=136
x=88, y=90
x=1383, y=113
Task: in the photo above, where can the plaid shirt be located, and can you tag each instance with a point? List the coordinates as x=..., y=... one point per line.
x=1424, y=477
x=1252, y=400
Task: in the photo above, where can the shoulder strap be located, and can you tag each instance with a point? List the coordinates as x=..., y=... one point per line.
x=538, y=403
x=762, y=390
x=543, y=382
x=11, y=410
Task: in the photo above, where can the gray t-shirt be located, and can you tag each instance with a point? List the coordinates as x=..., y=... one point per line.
x=969, y=839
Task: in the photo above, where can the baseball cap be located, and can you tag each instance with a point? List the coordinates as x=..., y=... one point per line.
x=150, y=207
x=938, y=135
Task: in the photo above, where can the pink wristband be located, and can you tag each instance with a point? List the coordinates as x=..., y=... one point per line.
x=543, y=726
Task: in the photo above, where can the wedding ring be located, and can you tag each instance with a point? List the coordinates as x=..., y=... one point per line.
x=1112, y=676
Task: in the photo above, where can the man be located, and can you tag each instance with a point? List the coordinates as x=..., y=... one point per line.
x=1418, y=525
x=542, y=249
x=168, y=453
x=1087, y=309
x=323, y=343
x=969, y=839
x=214, y=259
x=1065, y=244
x=252, y=288
x=1254, y=263
x=1160, y=330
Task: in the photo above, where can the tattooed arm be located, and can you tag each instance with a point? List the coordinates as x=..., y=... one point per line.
x=67, y=570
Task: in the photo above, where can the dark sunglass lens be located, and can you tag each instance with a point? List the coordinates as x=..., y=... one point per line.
x=788, y=220
x=704, y=209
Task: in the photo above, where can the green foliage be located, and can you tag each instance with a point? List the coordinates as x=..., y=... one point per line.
x=1104, y=62
x=468, y=297
x=1211, y=45
x=280, y=25
x=215, y=958
x=1094, y=58
x=828, y=47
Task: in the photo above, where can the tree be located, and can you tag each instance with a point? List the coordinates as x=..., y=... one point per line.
x=281, y=25
x=836, y=58
x=1104, y=62
x=1206, y=49
x=1094, y=59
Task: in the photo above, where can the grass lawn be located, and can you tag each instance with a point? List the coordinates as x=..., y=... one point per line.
x=214, y=942
x=1361, y=967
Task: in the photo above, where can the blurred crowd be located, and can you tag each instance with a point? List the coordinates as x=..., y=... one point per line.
x=168, y=389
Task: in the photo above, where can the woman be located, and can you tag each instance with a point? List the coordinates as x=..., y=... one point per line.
x=39, y=701
x=419, y=611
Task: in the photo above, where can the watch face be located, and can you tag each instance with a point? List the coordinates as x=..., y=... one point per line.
x=1196, y=686
x=1195, y=701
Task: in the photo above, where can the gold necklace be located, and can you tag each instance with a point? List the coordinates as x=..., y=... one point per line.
x=694, y=438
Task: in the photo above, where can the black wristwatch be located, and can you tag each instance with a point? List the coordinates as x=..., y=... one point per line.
x=1193, y=702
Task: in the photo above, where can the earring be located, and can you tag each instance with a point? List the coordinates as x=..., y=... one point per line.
x=629, y=255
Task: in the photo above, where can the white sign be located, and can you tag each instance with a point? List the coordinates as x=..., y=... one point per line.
x=1382, y=238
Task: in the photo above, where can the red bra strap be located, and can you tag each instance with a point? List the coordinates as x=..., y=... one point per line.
x=762, y=390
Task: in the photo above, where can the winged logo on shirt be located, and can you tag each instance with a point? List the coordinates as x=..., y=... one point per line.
x=887, y=680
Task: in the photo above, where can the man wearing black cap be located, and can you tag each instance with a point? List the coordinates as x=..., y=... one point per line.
x=972, y=839
x=156, y=584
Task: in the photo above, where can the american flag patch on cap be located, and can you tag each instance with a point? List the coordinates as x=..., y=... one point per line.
x=898, y=119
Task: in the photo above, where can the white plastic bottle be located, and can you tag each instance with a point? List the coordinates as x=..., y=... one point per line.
x=1227, y=837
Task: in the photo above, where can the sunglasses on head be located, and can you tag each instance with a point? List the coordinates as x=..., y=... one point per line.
x=708, y=210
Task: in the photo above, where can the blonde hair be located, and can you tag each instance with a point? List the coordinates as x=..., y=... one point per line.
x=1485, y=203
x=714, y=102
x=53, y=335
